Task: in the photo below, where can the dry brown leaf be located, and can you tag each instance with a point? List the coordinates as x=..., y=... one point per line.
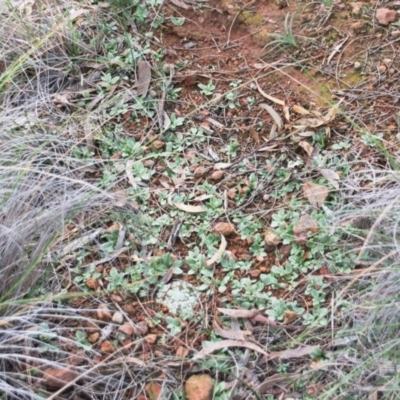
x=185, y=207
x=239, y=313
x=180, y=4
x=144, y=78
x=275, y=116
x=277, y=379
x=316, y=194
x=129, y=174
x=305, y=226
x=229, y=343
x=305, y=123
x=261, y=319
x=331, y=176
x=220, y=252
x=307, y=147
x=294, y=353
x=255, y=135
x=104, y=313
x=222, y=166
x=300, y=110
x=286, y=113
x=271, y=98
x=227, y=334
x=273, y=132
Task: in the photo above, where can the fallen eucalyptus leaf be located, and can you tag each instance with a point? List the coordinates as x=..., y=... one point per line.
x=227, y=334
x=220, y=252
x=239, y=313
x=229, y=343
x=144, y=78
x=316, y=194
x=271, y=98
x=185, y=207
x=331, y=176
x=275, y=116
x=307, y=147
x=300, y=110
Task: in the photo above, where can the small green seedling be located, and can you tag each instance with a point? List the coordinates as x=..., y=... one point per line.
x=208, y=89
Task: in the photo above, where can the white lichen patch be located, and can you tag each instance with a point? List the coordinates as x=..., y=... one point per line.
x=180, y=297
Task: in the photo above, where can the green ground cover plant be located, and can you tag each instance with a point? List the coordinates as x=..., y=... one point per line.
x=226, y=228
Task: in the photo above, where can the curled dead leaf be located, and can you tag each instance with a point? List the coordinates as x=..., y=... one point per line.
x=185, y=207
x=144, y=78
x=316, y=194
x=229, y=343
x=307, y=147
x=239, y=313
x=275, y=116
x=217, y=256
x=304, y=227
x=271, y=98
x=331, y=176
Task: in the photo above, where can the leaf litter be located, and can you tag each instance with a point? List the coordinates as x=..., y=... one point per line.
x=243, y=174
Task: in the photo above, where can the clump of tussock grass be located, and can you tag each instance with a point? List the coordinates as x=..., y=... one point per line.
x=43, y=187
x=368, y=301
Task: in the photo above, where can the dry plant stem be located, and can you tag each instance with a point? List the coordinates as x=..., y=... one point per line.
x=376, y=223
x=369, y=269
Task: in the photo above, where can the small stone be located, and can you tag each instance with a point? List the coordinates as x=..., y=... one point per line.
x=395, y=34
x=158, y=144
x=217, y=175
x=385, y=16
x=56, y=378
x=151, y=339
x=118, y=318
x=387, y=61
x=286, y=250
x=126, y=329
x=141, y=328
x=199, y=387
x=224, y=228
x=94, y=337
x=107, y=347
x=357, y=65
x=153, y=391
x=382, y=68
x=272, y=240
x=289, y=316
x=357, y=26
x=182, y=352
x=149, y=163
x=199, y=172
x=103, y=313
x=92, y=283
